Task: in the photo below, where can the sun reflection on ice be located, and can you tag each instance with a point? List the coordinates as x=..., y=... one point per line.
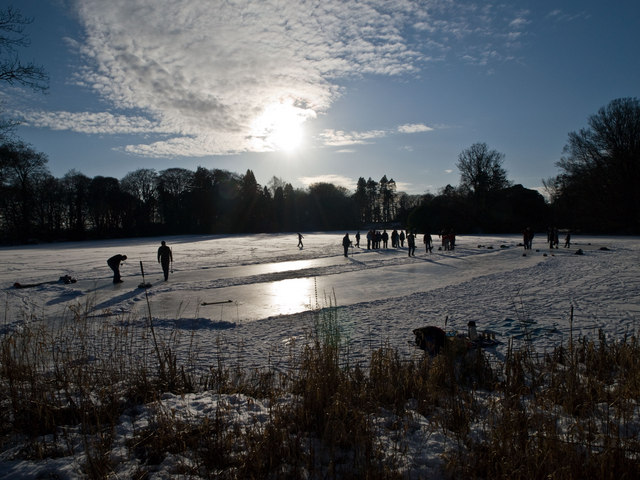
x=292, y=296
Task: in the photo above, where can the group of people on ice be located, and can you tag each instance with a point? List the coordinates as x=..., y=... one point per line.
x=165, y=258
x=552, y=238
x=448, y=239
x=553, y=235
x=377, y=239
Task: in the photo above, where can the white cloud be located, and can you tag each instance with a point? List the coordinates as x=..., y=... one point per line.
x=96, y=123
x=414, y=128
x=202, y=71
x=560, y=16
x=405, y=187
x=338, y=180
x=339, y=138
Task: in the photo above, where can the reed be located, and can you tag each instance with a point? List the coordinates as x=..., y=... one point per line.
x=569, y=413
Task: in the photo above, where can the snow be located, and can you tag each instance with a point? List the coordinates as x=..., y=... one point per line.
x=267, y=286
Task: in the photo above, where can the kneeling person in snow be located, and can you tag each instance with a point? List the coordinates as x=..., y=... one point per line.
x=165, y=257
x=114, y=264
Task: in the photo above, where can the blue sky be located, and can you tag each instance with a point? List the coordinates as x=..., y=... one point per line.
x=328, y=90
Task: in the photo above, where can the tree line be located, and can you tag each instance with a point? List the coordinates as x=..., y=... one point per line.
x=36, y=206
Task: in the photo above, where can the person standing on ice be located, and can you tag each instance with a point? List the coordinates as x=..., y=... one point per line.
x=358, y=239
x=527, y=238
x=428, y=243
x=114, y=264
x=394, y=238
x=165, y=257
x=567, y=240
x=411, y=243
x=346, y=242
x=300, y=245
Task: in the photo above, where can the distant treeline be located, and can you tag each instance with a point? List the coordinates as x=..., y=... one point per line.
x=597, y=191
x=35, y=206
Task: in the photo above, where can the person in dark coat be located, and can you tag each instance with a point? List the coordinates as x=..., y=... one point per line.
x=428, y=243
x=114, y=264
x=165, y=257
x=346, y=242
x=385, y=239
x=567, y=240
x=411, y=243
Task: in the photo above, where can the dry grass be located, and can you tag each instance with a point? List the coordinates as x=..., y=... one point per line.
x=572, y=413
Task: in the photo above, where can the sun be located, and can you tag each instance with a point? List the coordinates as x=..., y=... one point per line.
x=287, y=132
x=280, y=127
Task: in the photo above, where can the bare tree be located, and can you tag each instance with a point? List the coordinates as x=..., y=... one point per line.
x=601, y=166
x=20, y=166
x=12, y=70
x=12, y=36
x=481, y=170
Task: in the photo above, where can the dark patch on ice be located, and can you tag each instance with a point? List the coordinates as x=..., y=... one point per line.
x=65, y=297
x=116, y=300
x=201, y=323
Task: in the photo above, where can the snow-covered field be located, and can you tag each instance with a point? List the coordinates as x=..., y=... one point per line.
x=267, y=285
x=249, y=296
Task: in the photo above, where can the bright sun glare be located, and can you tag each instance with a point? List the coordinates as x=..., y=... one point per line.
x=280, y=127
x=292, y=296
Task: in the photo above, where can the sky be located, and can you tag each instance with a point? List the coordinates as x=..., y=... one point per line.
x=320, y=91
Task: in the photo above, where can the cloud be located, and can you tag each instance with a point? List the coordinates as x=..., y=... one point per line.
x=201, y=72
x=338, y=180
x=560, y=16
x=94, y=123
x=405, y=187
x=339, y=138
x=414, y=128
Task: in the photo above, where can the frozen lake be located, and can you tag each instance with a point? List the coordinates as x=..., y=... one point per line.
x=267, y=285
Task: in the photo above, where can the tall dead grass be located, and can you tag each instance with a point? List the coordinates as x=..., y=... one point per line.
x=572, y=413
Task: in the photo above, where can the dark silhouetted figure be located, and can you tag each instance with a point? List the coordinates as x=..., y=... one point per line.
x=527, y=237
x=411, y=243
x=114, y=264
x=346, y=242
x=165, y=257
x=428, y=243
